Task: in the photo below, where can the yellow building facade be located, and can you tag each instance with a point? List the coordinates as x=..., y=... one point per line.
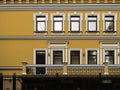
x=65, y=37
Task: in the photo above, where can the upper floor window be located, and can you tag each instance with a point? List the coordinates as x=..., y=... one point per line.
x=92, y=56
x=109, y=56
x=40, y=23
x=92, y=23
x=57, y=23
x=74, y=23
x=109, y=23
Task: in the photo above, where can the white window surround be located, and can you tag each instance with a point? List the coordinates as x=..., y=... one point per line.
x=110, y=14
x=75, y=49
x=91, y=49
x=56, y=50
x=40, y=14
x=114, y=54
x=57, y=14
x=75, y=14
x=39, y=49
x=92, y=14
x=34, y=55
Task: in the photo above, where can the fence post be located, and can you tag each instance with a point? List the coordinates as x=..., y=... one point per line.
x=1, y=81
x=14, y=81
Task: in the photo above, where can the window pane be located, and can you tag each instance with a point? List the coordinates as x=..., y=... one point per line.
x=57, y=57
x=57, y=18
x=41, y=19
x=109, y=56
x=75, y=57
x=58, y=26
x=109, y=26
x=74, y=26
x=75, y=18
x=40, y=26
x=92, y=57
x=92, y=26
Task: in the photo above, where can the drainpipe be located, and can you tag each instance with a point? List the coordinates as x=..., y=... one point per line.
x=24, y=68
x=106, y=68
x=65, y=68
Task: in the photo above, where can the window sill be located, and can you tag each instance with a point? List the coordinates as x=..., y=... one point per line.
x=40, y=31
x=92, y=31
x=109, y=31
x=57, y=31
x=75, y=31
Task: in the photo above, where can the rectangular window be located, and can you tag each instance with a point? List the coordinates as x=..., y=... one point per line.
x=109, y=56
x=75, y=23
x=92, y=23
x=57, y=23
x=109, y=23
x=41, y=23
x=74, y=57
x=92, y=56
x=57, y=57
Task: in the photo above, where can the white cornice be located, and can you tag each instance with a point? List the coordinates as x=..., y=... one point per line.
x=59, y=6
x=59, y=37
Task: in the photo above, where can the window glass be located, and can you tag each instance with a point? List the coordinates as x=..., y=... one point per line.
x=109, y=56
x=75, y=23
x=92, y=56
x=58, y=23
x=74, y=57
x=41, y=23
x=109, y=23
x=57, y=57
x=92, y=23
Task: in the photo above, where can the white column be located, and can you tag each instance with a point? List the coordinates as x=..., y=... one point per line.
x=113, y=1
x=90, y=1
x=19, y=1
x=66, y=1
x=74, y=1
x=82, y=1
x=4, y=1
x=35, y=1
x=50, y=1
x=58, y=1
x=12, y=1
x=106, y=1
x=43, y=1
x=27, y=1
x=98, y=1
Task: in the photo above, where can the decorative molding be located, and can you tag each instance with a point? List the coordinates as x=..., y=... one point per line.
x=60, y=6
x=10, y=67
x=59, y=37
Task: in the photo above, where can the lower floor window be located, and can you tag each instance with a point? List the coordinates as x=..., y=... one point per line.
x=92, y=56
x=109, y=56
x=57, y=57
x=74, y=57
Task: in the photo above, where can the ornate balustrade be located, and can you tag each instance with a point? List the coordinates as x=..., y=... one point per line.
x=74, y=69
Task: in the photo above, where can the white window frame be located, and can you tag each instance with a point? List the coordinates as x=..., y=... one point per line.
x=115, y=20
x=34, y=55
x=75, y=14
x=92, y=14
x=114, y=54
x=75, y=49
x=52, y=17
x=92, y=49
x=57, y=50
x=35, y=17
